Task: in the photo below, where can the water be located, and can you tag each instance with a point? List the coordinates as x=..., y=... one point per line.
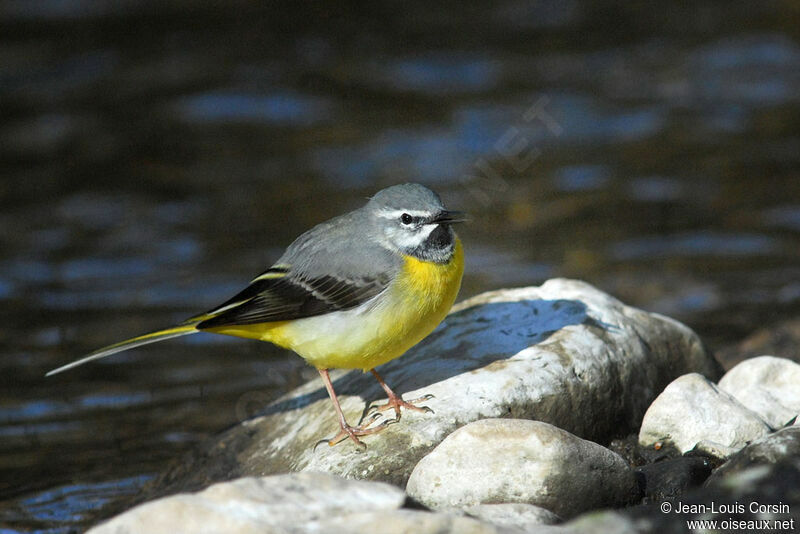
x=155, y=156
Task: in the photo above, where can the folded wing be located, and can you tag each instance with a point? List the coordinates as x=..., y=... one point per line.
x=284, y=296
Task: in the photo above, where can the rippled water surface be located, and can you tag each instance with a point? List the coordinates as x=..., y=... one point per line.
x=155, y=156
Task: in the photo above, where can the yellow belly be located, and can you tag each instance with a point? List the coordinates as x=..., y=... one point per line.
x=374, y=333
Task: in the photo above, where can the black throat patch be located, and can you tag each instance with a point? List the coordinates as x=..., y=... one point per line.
x=438, y=247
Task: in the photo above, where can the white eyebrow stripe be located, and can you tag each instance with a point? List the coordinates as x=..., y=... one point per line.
x=393, y=214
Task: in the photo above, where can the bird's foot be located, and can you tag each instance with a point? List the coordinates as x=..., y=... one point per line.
x=354, y=432
x=396, y=402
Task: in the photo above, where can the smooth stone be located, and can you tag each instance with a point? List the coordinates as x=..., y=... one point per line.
x=771, y=449
x=516, y=514
x=767, y=385
x=738, y=496
x=706, y=447
x=774, y=485
x=564, y=353
x=766, y=472
x=405, y=522
x=256, y=505
x=692, y=409
x=606, y=522
x=515, y=460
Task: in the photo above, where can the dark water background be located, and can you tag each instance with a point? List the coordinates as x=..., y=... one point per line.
x=155, y=156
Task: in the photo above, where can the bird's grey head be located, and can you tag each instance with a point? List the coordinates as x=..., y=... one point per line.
x=411, y=219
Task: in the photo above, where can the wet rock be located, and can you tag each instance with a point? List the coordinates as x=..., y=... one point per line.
x=768, y=450
x=282, y=503
x=564, y=353
x=669, y=479
x=768, y=492
x=627, y=447
x=518, y=515
x=514, y=460
x=637, y=455
x=761, y=482
x=606, y=522
x=692, y=409
x=768, y=386
x=714, y=450
x=404, y=522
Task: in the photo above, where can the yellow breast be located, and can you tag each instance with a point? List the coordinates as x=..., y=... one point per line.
x=367, y=336
x=423, y=295
x=427, y=290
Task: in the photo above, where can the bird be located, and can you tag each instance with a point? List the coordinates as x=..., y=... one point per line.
x=353, y=292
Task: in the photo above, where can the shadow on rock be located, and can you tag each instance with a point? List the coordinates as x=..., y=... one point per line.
x=563, y=353
x=461, y=344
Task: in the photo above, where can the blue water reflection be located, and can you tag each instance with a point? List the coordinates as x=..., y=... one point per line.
x=443, y=73
x=693, y=244
x=581, y=177
x=156, y=156
x=282, y=108
x=768, y=61
x=475, y=132
x=72, y=502
x=784, y=216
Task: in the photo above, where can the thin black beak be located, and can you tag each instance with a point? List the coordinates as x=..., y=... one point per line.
x=449, y=217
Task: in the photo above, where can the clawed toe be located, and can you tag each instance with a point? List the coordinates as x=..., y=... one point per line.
x=355, y=432
x=396, y=403
x=343, y=435
x=371, y=415
x=320, y=442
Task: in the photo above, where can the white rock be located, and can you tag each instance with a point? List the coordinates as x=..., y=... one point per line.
x=516, y=514
x=516, y=460
x=256, y=505
x=692, y=409
x=607, y=522
x=405, y=522
x=711, y=448
x=767, y=385
x=565, y=353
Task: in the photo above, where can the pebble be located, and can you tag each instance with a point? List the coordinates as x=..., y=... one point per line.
x=692, y=409
x=519, y=461
x=767, y=385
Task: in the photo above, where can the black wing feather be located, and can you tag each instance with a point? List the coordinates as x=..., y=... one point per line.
x=294, y=297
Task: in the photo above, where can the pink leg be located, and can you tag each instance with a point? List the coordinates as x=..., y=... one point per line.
x=396, y=402
x=346, y=431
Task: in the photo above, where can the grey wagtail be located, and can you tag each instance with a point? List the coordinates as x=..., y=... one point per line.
x=353, y=292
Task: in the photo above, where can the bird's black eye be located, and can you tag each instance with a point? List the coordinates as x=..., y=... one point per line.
x=406, y=218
